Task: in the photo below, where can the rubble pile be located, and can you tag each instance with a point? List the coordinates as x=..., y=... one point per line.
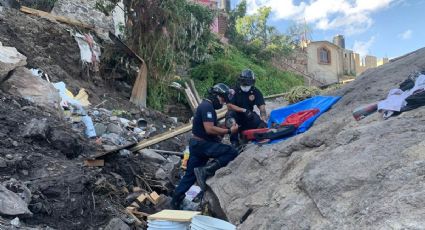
x=45, y=172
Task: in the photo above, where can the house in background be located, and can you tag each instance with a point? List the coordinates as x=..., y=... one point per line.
x=219, y=25
x=329, y=62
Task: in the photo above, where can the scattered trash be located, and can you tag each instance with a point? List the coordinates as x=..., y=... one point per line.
x=15, y=222
x=193, y=192
x=89, y=49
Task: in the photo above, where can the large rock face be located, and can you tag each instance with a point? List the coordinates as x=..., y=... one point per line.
x=341, y=174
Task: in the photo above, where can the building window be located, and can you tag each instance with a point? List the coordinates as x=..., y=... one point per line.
x=324, y=55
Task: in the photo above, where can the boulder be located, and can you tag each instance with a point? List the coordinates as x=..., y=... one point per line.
x=37, y=129
x=113, y=128
x=12, y=204
x=10, y=59
x=100, y=129
x=340, y=174
x=117, y=224
x=24, y=84
x=151, y=155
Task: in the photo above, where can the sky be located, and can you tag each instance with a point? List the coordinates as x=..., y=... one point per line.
x=382, y=28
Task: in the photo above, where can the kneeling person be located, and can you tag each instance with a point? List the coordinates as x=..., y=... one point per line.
x=206, y=143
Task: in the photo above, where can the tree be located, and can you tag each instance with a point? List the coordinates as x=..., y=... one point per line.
x=234, y=15
x=260, y=40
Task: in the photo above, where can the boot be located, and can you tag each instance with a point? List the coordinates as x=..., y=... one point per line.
x=176, y=202
x=202, y=173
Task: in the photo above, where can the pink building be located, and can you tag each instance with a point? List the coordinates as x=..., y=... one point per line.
x=219, y=24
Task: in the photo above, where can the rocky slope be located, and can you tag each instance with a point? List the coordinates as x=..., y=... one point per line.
x=341, y=174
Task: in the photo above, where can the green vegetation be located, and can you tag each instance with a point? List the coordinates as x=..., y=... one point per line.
x=226, y=68
x=175, y=34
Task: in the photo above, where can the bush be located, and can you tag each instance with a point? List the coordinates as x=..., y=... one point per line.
x=226, y=68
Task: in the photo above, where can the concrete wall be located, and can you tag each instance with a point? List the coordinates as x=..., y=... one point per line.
x=371, y=61
x=349, y=62
x=325, y=73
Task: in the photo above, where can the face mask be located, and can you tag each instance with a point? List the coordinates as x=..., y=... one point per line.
x=245, y=88
x=216, y=103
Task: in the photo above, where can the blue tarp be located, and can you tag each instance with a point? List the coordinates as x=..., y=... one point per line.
x=323, y=103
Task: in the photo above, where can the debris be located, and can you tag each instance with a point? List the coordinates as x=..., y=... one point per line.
x=174, y=215
x=152, y=156
x=100, y=129
x=193, y=192
x=89, y=49
x=168, y=152
x=94, y=163
x=10, y=59
x=12, y=204
x=142, y=198
x=113, y=128
x=117, y=224
x=139, y=92
x=55, y=18
x=154, y=197
x=15, y=222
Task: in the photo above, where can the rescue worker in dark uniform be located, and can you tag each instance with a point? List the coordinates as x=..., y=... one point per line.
x=241, y=106
x=206, y=143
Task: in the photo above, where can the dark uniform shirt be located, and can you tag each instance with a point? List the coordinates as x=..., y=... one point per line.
x=247, y=100
x=204, y=113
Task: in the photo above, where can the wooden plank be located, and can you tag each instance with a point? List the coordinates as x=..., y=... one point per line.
x=192, y=95
x=142, y=198
x=94, y=163
x=195, y=91
x=154, y=198
x=168, y=152
x=53, y=17
x=103, y=154
x=174, y=215
x=275, y=95
x=139, y=92
x=190, y=100
x=162, y=137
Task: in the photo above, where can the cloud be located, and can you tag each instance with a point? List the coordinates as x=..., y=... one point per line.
x=349, y=16
x=406, y=34
x=363, y=47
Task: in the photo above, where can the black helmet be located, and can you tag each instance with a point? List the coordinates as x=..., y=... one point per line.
x=221, y=90
x=247, y=78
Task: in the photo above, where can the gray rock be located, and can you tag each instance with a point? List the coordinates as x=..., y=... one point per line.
x=37, y=129
x=3, y=163
x=24, y=84
x=9, y=156
x=15, y=143
x=12, y=204
x=108, y=147
x=10, y=59
x=125, y=153
x=15, y=222
x=100, y=129
x=113, y=128
x=117, y=224
x=113, y=138
x=113, y=118
x=340, y=174
x=152, y=156
x=160, y=174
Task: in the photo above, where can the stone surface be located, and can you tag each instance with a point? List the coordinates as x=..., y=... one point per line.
x=113, y=138
x=3, y=163
x=100, y=129
x=113, y=128
x=85, y=11
x=37, y=129
x=152, y=156
x=117, y=224
x=22, y=83
x=341, y=174
x=12, y=204
x=10, y=59
x=160, y=174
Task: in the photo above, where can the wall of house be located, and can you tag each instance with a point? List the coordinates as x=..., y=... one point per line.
x=325, y=73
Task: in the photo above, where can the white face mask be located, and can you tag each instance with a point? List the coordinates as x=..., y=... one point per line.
x=245, y=88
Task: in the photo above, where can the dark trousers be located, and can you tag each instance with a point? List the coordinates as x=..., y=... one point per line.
x=245, y=123
x=200, y=153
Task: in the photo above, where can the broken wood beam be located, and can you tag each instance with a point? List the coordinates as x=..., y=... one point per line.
x=57, y=18
x=139, y=92
x=94, y=163
x=168, y=152
x=195, y=91
x=161, y=137
x=125, y=47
